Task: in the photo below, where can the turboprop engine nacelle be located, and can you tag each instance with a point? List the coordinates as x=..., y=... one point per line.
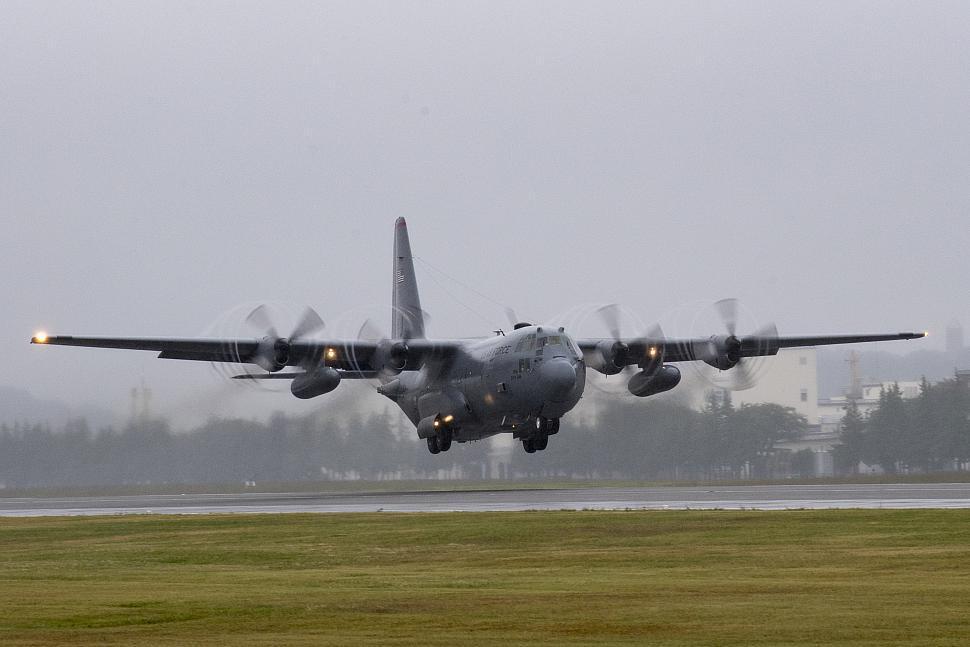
x=720, y=351
x=313, y=383
x=610, y=357
x=431, y=425
x=391, y=357
x=272, y=354
x=663, y=379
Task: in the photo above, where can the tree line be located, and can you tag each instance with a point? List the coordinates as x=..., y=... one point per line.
x=627, y=439
x=928, y=433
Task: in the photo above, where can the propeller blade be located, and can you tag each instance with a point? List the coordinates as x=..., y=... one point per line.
x=610, y=314
x=742, y=376
x=727, y=309
x=309, y=323
x=510, y=315
x=369, y=331
x=259, y=318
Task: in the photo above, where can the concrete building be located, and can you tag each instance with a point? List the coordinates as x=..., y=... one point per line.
x=954, y=338
x=832, y=410
x=790, y=379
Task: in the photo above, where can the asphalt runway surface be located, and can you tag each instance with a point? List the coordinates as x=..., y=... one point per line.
x=734, y=497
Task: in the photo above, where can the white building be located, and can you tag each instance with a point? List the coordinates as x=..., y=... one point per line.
x=832, y=410
x=789, y=378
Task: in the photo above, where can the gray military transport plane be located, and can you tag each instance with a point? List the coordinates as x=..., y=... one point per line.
x=521, y=382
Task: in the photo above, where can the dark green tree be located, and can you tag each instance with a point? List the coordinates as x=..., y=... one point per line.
x=852, y=448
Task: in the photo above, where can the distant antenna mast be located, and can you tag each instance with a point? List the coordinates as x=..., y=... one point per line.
x=855, y=382
x=146, y=400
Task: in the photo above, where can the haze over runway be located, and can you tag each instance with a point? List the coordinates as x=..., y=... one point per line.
x=710, y=497
x=164, y=162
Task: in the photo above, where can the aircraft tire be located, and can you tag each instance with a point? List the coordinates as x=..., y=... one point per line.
x=433, y=445
x=541, y=441
x=529, y=445
x=554, y=426
x=444, y=441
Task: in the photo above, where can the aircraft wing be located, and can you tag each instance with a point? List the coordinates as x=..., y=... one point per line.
x=641, y=350
x=353, y=356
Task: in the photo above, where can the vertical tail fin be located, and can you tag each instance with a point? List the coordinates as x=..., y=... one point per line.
x=407, y=319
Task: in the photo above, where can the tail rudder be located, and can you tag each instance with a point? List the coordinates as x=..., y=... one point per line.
x=407, y=318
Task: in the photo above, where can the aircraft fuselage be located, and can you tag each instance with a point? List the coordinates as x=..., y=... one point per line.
x=500, y=384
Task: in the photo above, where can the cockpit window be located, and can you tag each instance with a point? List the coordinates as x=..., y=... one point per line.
x=554, y=340
x=526, y=343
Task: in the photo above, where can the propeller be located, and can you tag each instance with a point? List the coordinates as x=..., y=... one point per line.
x=623, y=356
x=391, y=356
x=727, y=309
x=244, y=322
x=725, y=353
x=273, y=352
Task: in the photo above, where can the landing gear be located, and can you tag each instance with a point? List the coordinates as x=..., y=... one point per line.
x=440, y=442
x=444, y=440
x=538, y=440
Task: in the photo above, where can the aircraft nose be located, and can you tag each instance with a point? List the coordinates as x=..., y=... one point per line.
x=558, y=378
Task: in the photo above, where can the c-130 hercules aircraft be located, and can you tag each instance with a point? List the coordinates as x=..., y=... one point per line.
x=522, y=382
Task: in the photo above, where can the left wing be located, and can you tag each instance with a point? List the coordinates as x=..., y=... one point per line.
x=274, y=353
x=722, y=351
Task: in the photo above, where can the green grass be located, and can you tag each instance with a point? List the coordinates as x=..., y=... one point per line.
x=555, y=578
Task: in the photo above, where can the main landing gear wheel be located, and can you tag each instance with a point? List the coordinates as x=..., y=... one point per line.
x=444, y=441
x=440, y=442
x=538, y=440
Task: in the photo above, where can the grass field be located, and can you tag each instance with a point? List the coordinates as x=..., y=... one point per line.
x=589, y=578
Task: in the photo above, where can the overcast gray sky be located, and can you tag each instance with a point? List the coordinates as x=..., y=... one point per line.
x=163, y=162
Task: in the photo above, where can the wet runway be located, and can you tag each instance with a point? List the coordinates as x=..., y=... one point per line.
x=756, y=497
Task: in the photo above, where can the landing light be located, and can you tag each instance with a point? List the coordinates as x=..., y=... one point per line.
x=40, y=338
x=449, y=418
x=652, y=352
x=331, y=353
